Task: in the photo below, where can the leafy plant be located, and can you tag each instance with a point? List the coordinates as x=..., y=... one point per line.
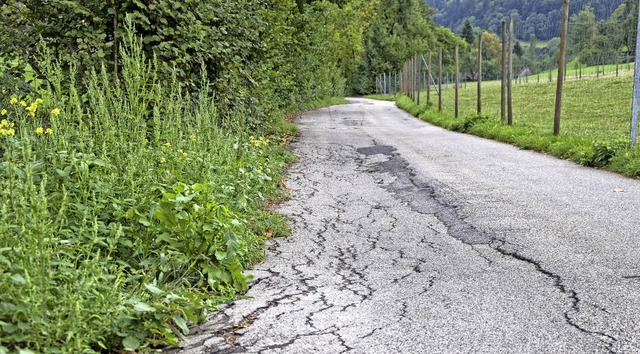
x=604, y=151
x=124, y=214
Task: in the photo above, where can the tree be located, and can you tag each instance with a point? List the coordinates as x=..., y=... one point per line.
x=583, y=30
x=539, y=17
x=259, y=56
x=400, y=29
x=491, y=55
x=517, y=50
x=467, y=32
x=623, y=25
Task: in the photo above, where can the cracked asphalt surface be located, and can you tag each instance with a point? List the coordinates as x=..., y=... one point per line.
x=411, y=239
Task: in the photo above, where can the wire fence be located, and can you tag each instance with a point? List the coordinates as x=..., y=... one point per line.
x=468, y=79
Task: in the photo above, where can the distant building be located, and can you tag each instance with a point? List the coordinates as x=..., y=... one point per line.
x=524, y=73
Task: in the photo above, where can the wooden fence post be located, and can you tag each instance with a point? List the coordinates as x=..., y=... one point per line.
x=561, y=62
x=503, y=86
x=510, y=75
x=456, y=79
x=440, y=80
x=429, y=79
x=480, y=74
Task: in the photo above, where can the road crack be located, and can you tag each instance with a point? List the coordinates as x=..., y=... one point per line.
x=423, y=198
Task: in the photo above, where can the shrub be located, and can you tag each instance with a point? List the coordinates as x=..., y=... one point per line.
x=127, y=213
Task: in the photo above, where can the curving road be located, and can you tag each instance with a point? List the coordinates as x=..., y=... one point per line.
x=411, y=239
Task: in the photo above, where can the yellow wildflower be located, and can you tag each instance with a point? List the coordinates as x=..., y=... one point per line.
x=32, y=109
x=167, y=144
x=184, y=154
x=3, y=123
x=193, y=138
x=49, y=131
x=163, y=160
x=37, y=101
x=13, y=100
x=180, y=151
x=11, y=132
x=39, y=130
x=23, y=103
x=55, y=112
x=3, y=112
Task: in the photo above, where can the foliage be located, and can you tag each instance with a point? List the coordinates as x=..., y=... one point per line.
x=468, y=122
x=467, y=32
x=400, y=30
x=599, y=32
x=540, y=18
x=245, y=48
x=121, y=223
x=604, y=151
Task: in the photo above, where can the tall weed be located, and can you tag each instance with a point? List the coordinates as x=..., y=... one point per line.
x=125, y=211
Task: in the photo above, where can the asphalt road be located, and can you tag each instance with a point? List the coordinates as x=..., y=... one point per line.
x=411, y=239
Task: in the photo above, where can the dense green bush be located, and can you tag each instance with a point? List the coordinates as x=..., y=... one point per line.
x=126, y=214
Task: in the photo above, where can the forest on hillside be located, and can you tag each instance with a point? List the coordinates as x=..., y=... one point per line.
x=536, y=17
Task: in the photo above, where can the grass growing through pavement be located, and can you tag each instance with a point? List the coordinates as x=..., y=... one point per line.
x=594, y=128
x=127, y=212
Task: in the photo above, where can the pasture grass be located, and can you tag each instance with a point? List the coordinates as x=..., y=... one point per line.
x=594, y=109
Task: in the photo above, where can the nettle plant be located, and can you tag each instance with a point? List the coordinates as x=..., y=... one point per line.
x=126, y=211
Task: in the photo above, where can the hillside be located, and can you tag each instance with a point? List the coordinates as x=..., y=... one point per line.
x=539, y=17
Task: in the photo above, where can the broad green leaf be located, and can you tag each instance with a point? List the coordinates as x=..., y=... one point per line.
x=18, y=278
x=182, y=324
x=153, y=289
x=130, y=343
x=141, y=306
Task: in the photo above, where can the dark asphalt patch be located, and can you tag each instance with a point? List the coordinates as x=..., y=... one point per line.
x=422, y=197
x=376, y=150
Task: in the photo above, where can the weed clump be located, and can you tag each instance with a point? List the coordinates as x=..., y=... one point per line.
x=126, y=212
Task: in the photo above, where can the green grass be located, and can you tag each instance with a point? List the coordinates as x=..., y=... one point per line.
x=383, y=97
x=576, y=72
x=593, y=108
x=594, y=127
x=331, y=101
x=127, y=211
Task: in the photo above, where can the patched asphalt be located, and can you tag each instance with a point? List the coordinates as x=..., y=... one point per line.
x=411, y=239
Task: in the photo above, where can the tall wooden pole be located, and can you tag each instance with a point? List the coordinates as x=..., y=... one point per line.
x=456, y=79
x=503, y=87
x=480, y=74
x=419, y=77
x=561, y=61
x=440, y=80
x=429, y=80
x=413, y=78
x=510, y=75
